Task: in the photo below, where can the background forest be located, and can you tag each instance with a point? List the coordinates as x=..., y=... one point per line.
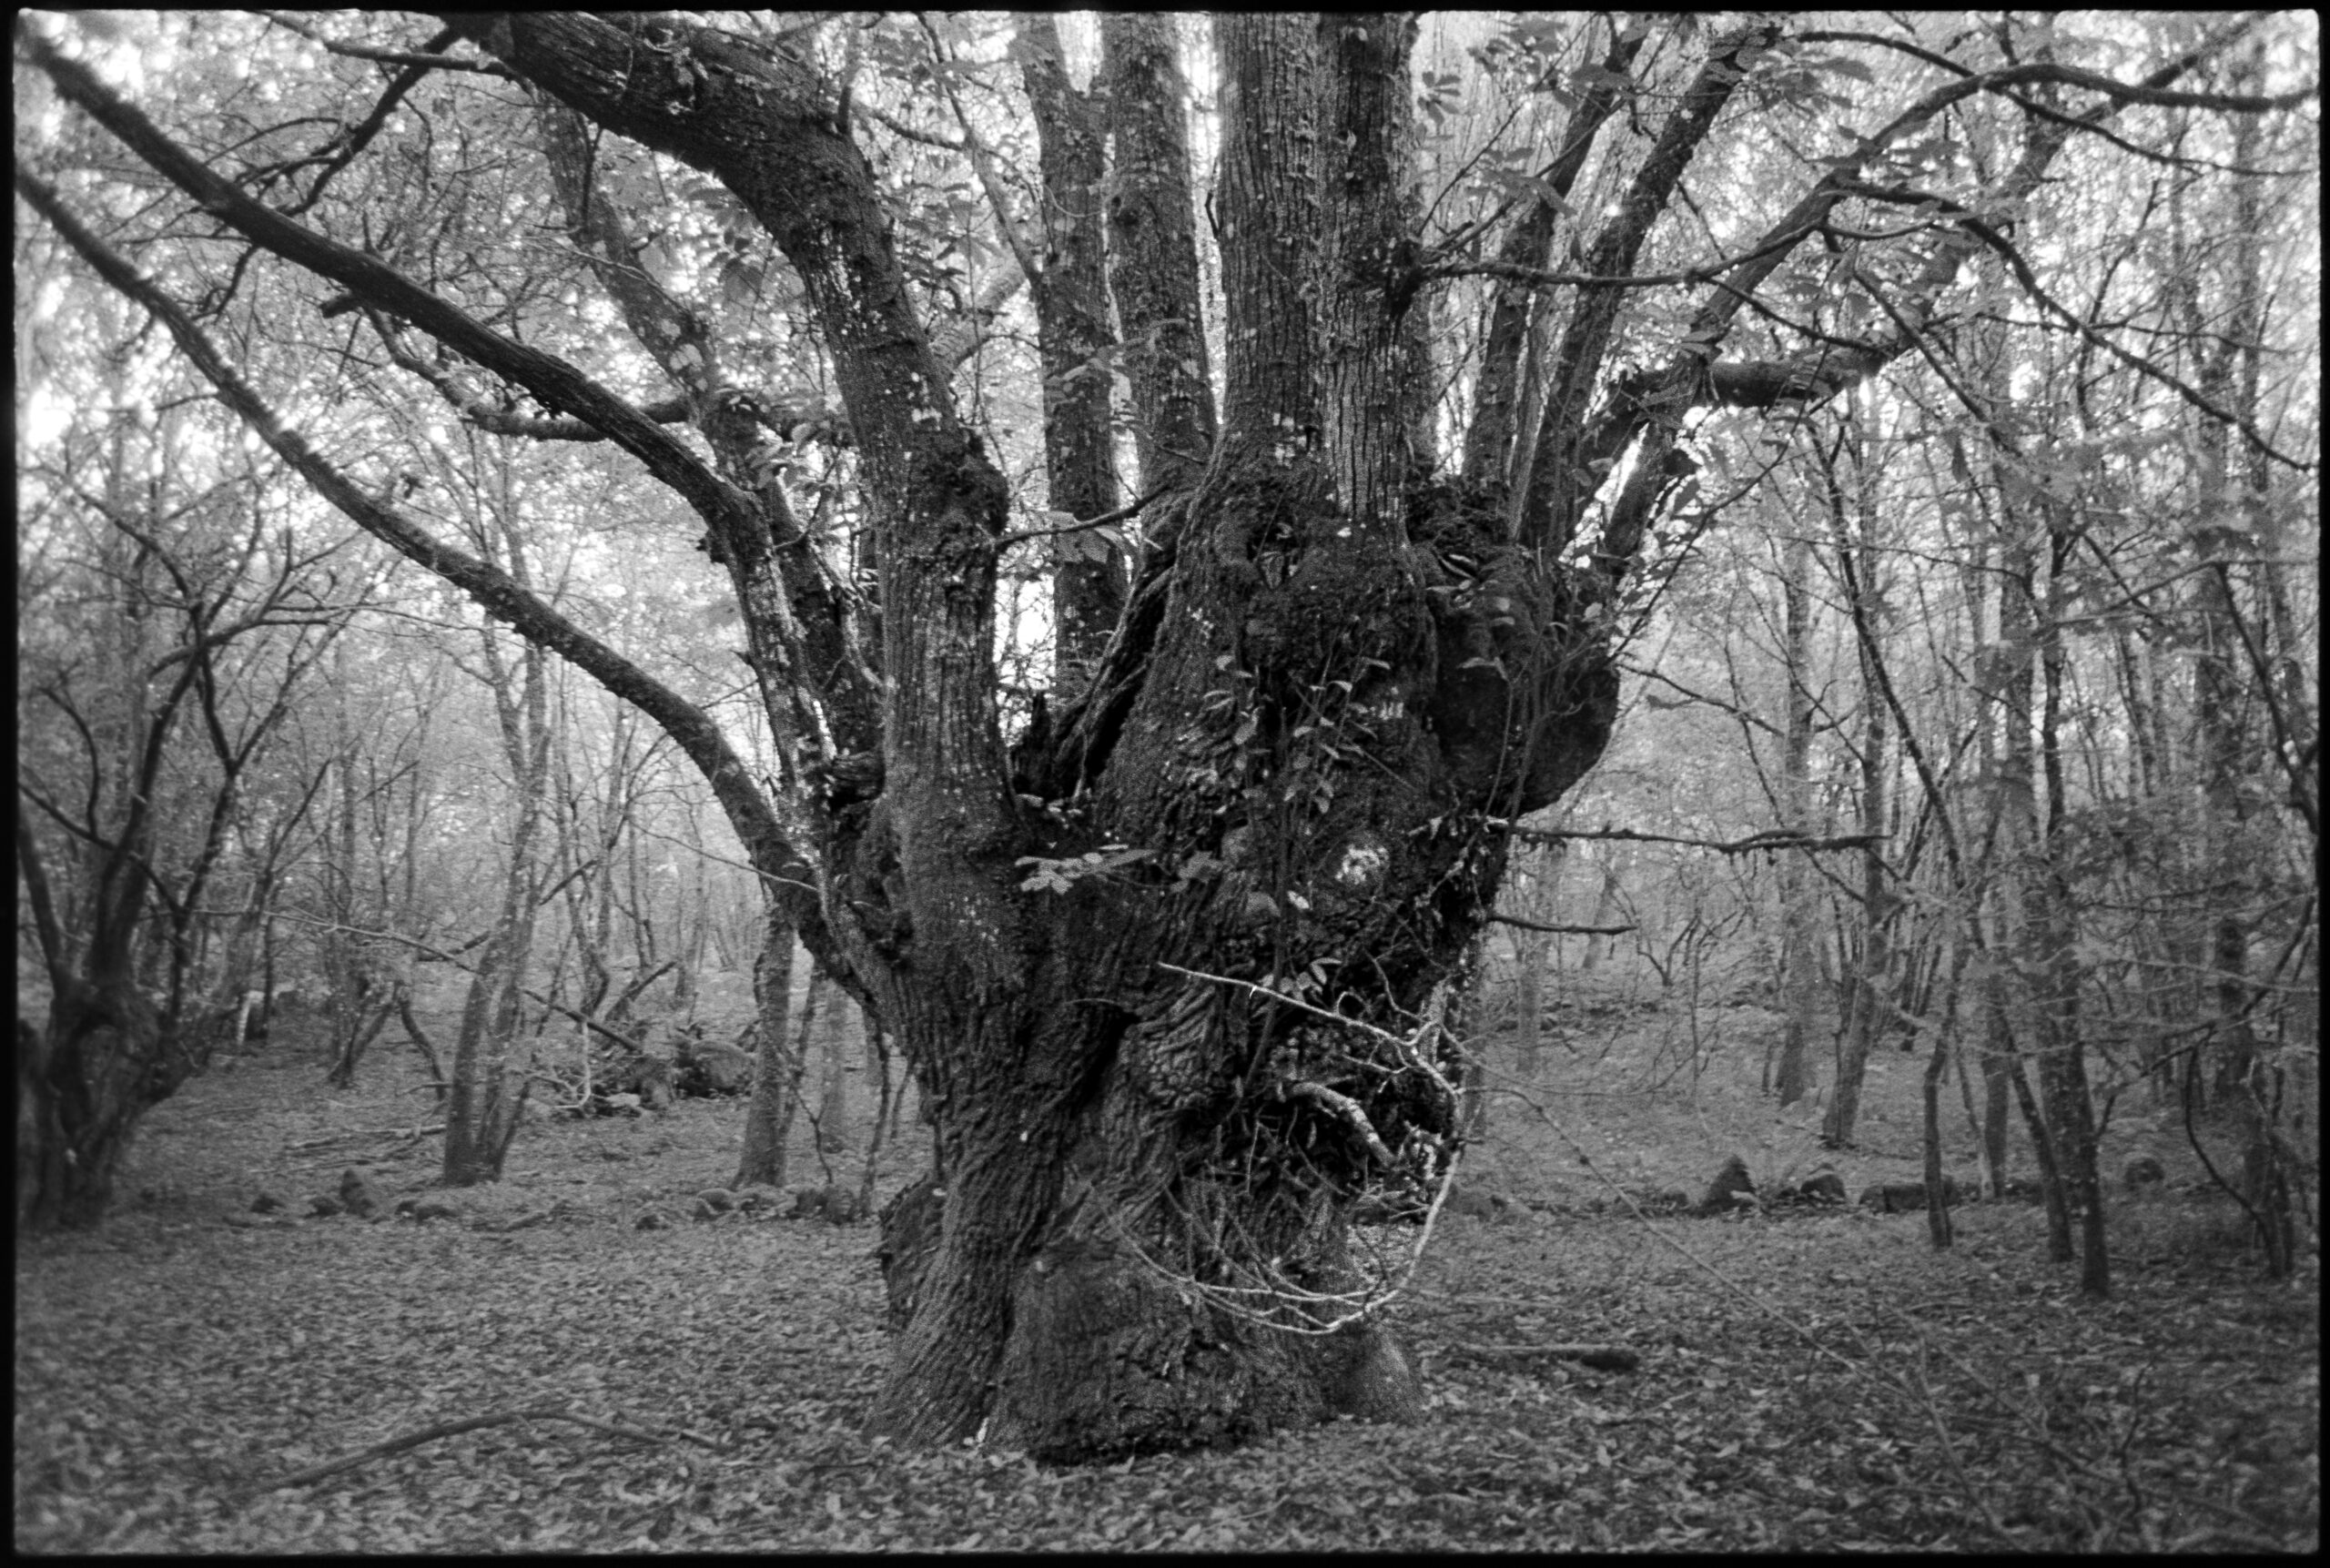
x=1954, y=830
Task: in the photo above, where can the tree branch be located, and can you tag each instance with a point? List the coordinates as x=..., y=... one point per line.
x=410, y=1439
x=693, y=730
x=427, y=58
x=1562, y=930
x=1769, y=839
x=553, y=381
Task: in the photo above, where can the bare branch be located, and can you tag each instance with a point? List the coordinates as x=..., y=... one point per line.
x=551, y=380
x=1562, y=930
x=693, y=730
x=427, y=58
x=1768, y=840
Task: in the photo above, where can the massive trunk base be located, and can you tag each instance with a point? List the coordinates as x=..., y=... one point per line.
x=1100, y=1351
x=1275, y=808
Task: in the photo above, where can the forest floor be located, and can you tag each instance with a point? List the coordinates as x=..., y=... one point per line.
x=1805, y=1380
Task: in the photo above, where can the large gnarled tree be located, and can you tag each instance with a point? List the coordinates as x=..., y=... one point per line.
x=1170, y=966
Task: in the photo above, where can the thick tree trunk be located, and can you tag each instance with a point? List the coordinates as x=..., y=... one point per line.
x=1153, y=249
x=1149, y=1150
x=1346, y=680
x=1073, y=338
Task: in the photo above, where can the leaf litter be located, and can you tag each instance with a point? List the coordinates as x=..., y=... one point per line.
x=1818, y=1382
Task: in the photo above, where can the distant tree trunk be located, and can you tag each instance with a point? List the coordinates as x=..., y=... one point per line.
x=2071, y=1110
x=2036, y=938
x=418, y=1036
x=1606, y=909
x=346, y=974
x=1799, y=899
x=486, y=1102
x=1998, y=1058
x=1945, y=1040
x=1856, y=560
x=843, y=1042
x=1997, y=1051
x=2227, y=697
x=696, y=923
x=883, y=1127
x=481, y=1114
x=768, y=1119
x=1533, y=894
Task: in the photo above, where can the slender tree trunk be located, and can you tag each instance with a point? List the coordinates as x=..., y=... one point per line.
x=883, y=1127
x=1606, y=909
x=2063, y=1066
x=1799, y=901
x=1938, y=1063
x=843, y=1042
x=1998, y=1058
x=485, y=1104
x=1533, y=894
x=1872, y=973
x=2229, y=697
x=768, y=1119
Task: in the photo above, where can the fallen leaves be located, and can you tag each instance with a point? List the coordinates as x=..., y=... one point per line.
x=698, y=1388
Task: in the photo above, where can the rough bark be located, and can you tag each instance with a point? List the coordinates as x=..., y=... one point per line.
x=1073, y=340
x=769, y=1118
x=1152, y=250
x=1374, y=368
